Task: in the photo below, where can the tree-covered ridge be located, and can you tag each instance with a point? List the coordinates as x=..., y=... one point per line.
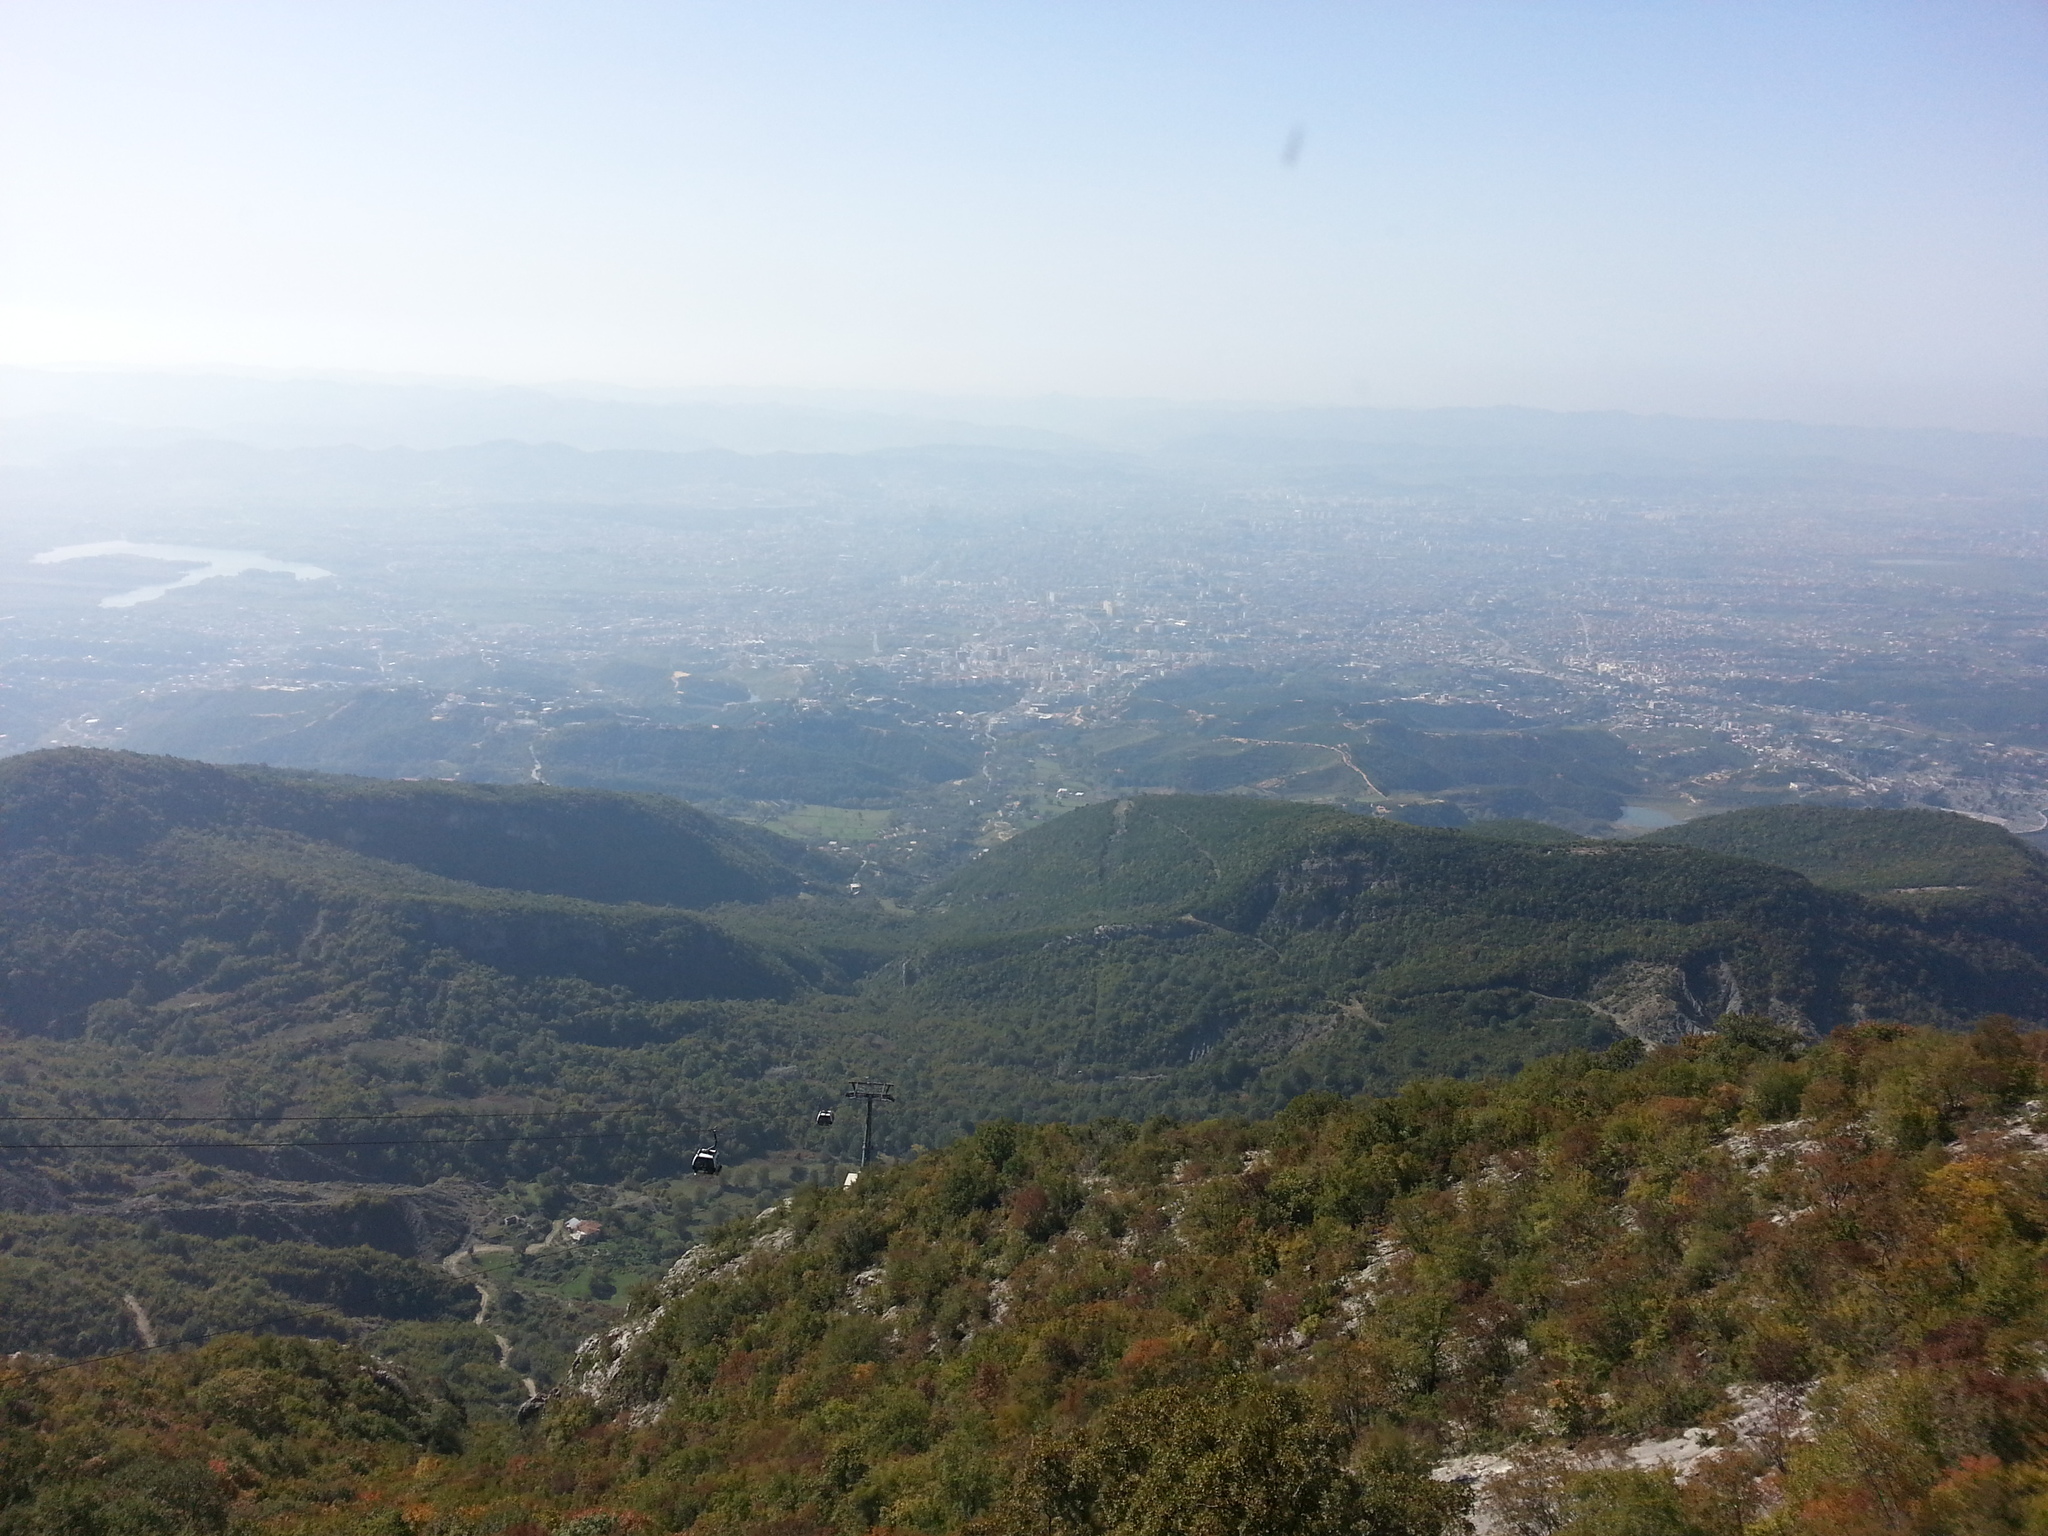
x=1159, y=953
x=1233, y=939
x=1874, y=852
x=1825, y=1263
x=597, y=845
x=214, y=914
x=249, y=896
x=1129, y=860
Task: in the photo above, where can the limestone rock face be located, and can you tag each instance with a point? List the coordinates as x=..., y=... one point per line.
x=1659, y=1003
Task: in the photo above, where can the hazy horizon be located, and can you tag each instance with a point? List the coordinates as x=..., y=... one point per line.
x=856, y=397
x=1817, y=212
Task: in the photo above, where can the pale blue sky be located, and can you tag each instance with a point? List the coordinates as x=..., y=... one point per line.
x=1832, y=212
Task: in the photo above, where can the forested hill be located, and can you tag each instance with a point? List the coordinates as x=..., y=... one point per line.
x=594, y=844
x=1907, y=852
x=1735, y=1286
x=384, y=1022
x=180, y=939
x=1226, y=943
x=138, y=879
x=1169, y=952
x=1148, y=857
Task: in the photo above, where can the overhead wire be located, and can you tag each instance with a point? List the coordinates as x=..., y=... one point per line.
x=431, y=1114
x=72, y=1365
x=285, y=1146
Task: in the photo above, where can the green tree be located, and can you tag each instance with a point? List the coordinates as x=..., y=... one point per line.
x=1235, y=1458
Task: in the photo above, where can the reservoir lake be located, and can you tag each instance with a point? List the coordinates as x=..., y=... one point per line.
x=206, y=564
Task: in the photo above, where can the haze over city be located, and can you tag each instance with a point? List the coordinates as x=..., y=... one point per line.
x=533, y=393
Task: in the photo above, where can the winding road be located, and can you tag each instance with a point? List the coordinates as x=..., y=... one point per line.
x=457, y=1264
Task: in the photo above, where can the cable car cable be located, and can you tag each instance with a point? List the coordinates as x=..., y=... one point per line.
x=283, y=1146
x=503, y=1114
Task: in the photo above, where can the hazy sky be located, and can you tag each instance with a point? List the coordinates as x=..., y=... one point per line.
x=1833, y=212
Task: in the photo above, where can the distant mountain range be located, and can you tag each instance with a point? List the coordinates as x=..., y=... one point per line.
x=100, y=425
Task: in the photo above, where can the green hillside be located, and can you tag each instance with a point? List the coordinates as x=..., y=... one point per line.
x=180, y=939
x=254, y=899
x=564, y=842
x=1218, y=946
x=1624, y=1294
x=301, y=954
x=205, y=915
x=1163, y=952
x=1874, y=852
x=1150, y=856
x=1209, y=730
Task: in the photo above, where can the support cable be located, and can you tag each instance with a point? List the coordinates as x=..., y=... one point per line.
x=286, y=1146
x=430, y=1114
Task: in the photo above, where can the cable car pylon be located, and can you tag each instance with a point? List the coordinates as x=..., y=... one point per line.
x=869, y=1093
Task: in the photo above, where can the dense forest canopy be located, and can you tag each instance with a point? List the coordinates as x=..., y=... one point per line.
x=182, y=936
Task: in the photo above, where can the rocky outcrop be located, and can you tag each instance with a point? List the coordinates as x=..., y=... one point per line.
x=598, y=1369
x=1660, y=1003
x=1323, y=891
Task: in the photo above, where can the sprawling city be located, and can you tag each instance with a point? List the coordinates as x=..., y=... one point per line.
x=919, y=655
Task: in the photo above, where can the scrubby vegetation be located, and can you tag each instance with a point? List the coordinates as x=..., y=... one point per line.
x=234, y=1436
x=76, y=1285
x=1826, y=1261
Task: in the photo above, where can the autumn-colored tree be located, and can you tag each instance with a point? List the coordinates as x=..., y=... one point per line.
x=1238, y=1457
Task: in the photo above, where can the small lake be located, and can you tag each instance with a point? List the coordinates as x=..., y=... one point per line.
x=206, y=564
x=1641, y=818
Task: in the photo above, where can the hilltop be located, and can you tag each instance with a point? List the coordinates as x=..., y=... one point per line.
x=148, y=894
x=602, y=846
x=1876, y=853
x=1231, y=944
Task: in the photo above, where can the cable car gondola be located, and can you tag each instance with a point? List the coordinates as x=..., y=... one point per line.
x=706, y=1161
x=825, y=1117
